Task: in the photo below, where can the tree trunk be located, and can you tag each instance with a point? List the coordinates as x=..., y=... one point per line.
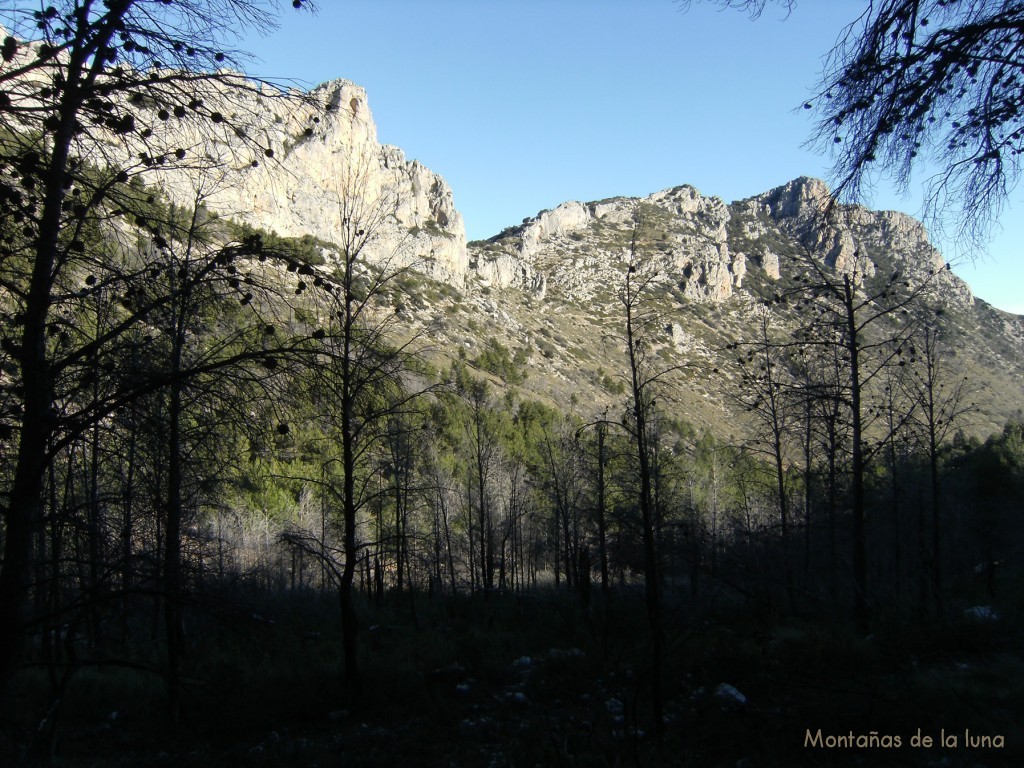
x=652, y=587
x=602, y=534
x=172, y=556
x=860, y=564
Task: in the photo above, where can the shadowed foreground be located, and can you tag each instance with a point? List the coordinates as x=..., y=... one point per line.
x=524, y=681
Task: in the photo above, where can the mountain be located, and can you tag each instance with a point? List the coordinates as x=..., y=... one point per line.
x=550, y=287
x=544, y=293
x=319, y=150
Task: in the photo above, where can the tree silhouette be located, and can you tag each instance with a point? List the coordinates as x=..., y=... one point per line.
x=767, y=393
x=922, y=84
x=643, y=378
x=84, y=83
x=862, y=323
x=941, y=405
x=358, y=383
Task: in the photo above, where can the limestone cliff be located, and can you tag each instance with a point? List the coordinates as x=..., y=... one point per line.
x=582, y=247
x=705, y=248
x=319, y=151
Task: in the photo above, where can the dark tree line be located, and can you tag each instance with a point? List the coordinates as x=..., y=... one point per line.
x=78, y=300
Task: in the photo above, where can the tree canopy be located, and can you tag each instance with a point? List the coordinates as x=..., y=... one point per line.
x=931, y=86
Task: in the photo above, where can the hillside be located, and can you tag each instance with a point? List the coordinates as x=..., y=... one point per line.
x=546, y=290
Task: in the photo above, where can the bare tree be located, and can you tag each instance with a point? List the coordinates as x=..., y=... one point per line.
x=482, y=440
x=643, y=378
x=863, y=323
x=768, y=394
x=599, y=470
x=941, y=405
x=359, y=381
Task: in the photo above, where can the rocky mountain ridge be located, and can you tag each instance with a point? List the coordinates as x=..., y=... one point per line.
x=707, y=245
x=303, y=162
x=300, y=162
x=547, y=290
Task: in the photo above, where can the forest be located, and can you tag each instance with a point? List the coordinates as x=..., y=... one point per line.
x=248, y=518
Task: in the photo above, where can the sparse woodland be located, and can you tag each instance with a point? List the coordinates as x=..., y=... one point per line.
x=247, y=519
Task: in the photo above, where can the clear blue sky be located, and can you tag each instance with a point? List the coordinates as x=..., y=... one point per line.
x=524, y=104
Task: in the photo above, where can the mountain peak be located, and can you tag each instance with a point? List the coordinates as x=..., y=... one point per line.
x=801, y=198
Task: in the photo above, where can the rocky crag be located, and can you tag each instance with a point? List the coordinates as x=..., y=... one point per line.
x=300, y=163
x=704, y=245
x=297, y=163
x=547, y=289
x=321, y=161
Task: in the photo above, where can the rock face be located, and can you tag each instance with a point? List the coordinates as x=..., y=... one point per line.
x=704, y=248
x=297, y=163
x=565, y=220
x=852, y=239
x=326, y=162
x=582, y=247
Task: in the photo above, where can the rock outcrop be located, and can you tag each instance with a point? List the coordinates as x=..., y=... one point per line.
x=321, y=162
x=847, y=238
x=704, y=249
x=582, y=247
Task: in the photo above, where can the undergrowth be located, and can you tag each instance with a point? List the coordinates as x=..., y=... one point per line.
x=533, y=680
